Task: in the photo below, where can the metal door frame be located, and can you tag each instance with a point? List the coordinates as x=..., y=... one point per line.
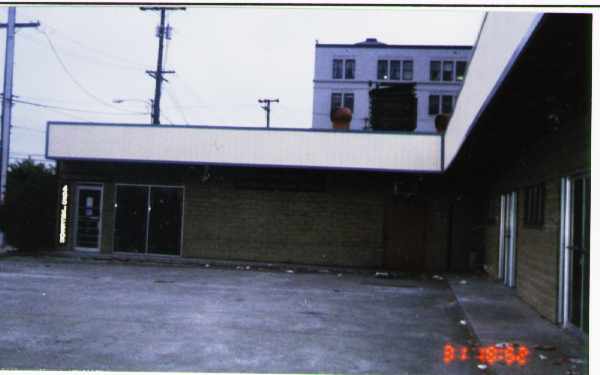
x=78, y=188
x=566, y=239
x=507, y=254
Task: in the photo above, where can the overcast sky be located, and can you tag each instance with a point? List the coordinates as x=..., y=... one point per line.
x=225, y=58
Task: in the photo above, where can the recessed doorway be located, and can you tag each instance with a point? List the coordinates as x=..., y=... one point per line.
x=88, y=217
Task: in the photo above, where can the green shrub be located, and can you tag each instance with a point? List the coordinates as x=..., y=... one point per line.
x=28, y=216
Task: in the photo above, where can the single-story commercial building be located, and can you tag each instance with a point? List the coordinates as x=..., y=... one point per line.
x=506, y=187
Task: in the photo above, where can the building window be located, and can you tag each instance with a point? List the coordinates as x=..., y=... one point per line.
x=382, y=69
x=448, y=70
x=349, y=69
x=337, y=68
x=337, y=98
x=461, y=70
x=336, y=101
x=349, y=101
x=446, y=101
x=534, y=205
x=434, y=70
x=407, y=70
x=434, y=104
x=395, y=69
x=447, y=104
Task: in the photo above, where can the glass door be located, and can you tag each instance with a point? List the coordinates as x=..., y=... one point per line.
x=88, y=218
x=579, y=249
x=131, y=218
x=148, y=219
x=164, y=235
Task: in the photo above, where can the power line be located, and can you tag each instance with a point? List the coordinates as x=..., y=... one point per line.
x=188, y=87
x=78, y=109
x=62, y=64
x=177, y=105
x=131, y=63
x=84, y=57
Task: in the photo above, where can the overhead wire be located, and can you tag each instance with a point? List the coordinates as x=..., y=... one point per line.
x=120, y=59
x=78, y=109
x=177, y=105
x=88, y=58
x=72, y=77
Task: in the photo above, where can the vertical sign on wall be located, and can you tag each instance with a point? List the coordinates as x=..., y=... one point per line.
x=62, y=237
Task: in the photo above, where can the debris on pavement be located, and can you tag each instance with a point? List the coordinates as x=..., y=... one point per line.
x=247, y=268
x=437, y=277
x=545, y=347
x=207, y=265
x=289, y=271
x=382, y=275
x=482, y=366
x=339, y=275
x=463, y=322
x=543, y=357
x=463, y=282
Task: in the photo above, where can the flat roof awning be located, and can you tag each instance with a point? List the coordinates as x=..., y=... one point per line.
x=502, y=38
x=297, y=148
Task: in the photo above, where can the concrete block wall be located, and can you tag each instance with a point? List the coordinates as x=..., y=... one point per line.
x=330, y=227
x=563, y=153
x=340, y=223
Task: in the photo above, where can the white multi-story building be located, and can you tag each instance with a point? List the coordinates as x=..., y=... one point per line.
x=345, y=74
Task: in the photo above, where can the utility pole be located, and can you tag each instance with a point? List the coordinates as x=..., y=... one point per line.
x=267, y=108
x=159, y=72
x=7, y=95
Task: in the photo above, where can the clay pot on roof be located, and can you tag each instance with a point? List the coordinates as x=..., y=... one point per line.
x=341, y=118
x=441, y=122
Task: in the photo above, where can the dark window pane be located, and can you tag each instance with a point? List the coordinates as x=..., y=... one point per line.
x=434, y=71
x=349, y=101
x=446, y=104
x=434, y=104
x=382, y=69
x=350, y=64
x=395, y=69
x=407, y=70
x=448, y=68
x=164, y=231
x=461, y=70
x=130, y=219
x=336, y=101
x=337, y=68
x=534, y=205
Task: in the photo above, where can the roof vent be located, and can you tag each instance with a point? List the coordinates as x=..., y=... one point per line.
x=370, y=42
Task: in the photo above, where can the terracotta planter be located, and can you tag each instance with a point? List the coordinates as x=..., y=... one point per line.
x=341, y=118
x=441, y=122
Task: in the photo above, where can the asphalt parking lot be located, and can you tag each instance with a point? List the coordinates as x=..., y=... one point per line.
x=64, y=315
